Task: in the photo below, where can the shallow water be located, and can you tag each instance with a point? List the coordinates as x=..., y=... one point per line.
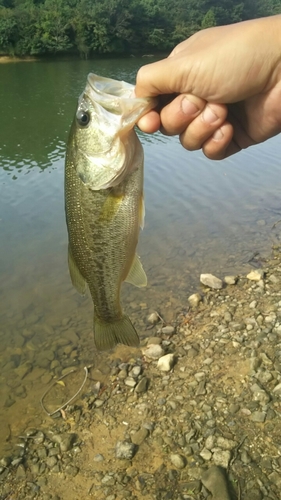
x=201, y=216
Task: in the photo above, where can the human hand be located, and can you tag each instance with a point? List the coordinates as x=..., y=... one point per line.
x=220, y=90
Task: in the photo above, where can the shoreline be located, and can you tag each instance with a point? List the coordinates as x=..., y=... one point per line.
x=207, y=423
x=14, y=59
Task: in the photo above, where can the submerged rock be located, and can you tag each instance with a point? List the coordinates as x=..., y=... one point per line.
x=194, y=299
x=153, y=318
x=211, y=281
x=230, y=280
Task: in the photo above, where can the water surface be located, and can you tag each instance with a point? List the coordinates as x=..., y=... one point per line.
x=201, y=216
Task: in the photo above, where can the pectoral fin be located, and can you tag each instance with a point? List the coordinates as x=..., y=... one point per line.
x=136, y=275
x=76, y=277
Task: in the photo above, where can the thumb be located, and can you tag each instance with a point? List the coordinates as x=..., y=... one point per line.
x=162, y=77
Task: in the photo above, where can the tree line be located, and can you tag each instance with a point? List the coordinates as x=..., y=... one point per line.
x=87, y=27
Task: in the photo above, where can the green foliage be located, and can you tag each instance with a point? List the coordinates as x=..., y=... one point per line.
x=209, y=20
x=87, y=27
x=8, y=27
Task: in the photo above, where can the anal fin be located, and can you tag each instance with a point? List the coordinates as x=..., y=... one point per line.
x=136, y=276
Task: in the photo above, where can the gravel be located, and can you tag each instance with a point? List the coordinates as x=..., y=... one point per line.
x=207, y=426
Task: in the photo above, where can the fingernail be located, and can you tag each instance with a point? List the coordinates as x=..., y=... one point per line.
x=209, y=116
x=218, y=135
x=188, y=107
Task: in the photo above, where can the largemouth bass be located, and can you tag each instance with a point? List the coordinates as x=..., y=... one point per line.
x=104, y=202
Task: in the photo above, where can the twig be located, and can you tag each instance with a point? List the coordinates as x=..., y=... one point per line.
x=236, y=449
x=70, y=400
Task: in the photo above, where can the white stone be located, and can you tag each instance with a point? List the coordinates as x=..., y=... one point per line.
x=153, y=318
x=211, y=281
x=130, y=382
x=221, y=457
x=153, y=351
x=256, y=275
x=206, y=454
x=230, y=280
x=277, y=389
x=210, y=441
x=178, y=460
x=194, y=299
x=168, y=330
x=166, y=363
x=226, y=444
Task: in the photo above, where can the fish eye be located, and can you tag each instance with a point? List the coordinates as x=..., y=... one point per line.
x=83, y=118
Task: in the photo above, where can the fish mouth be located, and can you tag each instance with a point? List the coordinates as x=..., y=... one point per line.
x=118, y=98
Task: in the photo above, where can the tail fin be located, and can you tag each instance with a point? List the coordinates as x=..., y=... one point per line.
x=107, y=335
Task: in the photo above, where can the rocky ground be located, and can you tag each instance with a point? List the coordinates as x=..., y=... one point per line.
x=194, y=414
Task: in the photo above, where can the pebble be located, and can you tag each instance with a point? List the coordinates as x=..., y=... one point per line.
x=277, y=389
x=98, y=458
x=211, y=281
x=51, y=461
x=230, y=280
x=210, y=442
x=125, y=450
x=153, y=351
x=130, y=382
x=258, y=416
x=178, y=461
x=135, y=371
x=245, y=457
x=226, y=444
x=153, y=318
x=71, y=470
x=256, y=275
x=260, y=394
x=194, y=299
x=64, y=440
x=20, y=474
x=23, y=370
x=142, y=385
x=206, y=454
x=168, y=330
x=108, y=480
x=275, y=477
x=221, y=457
x=166, y=363
x=139, y=436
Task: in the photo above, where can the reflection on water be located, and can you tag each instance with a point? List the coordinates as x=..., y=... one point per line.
x=200, y=217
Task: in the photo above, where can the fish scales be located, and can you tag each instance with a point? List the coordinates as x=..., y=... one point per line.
x=103, y=220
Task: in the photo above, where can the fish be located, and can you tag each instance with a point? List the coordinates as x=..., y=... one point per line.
x=104, y=202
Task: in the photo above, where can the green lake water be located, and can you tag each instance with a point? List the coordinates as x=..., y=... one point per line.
x=201, y=217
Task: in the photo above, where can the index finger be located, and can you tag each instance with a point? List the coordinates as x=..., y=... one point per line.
x=158, y=78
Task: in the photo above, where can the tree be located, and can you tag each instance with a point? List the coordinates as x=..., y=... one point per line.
x=209, y=20
x=8, y=29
